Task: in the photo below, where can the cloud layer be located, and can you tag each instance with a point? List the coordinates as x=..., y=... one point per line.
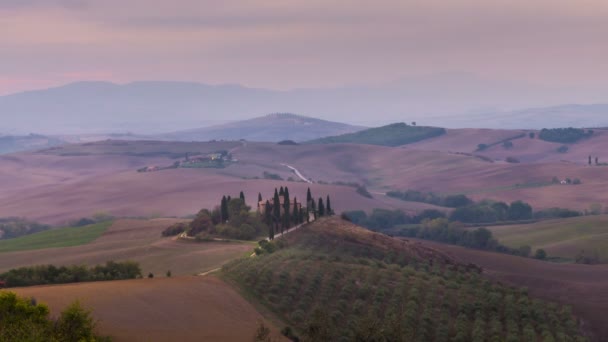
x=285, y=44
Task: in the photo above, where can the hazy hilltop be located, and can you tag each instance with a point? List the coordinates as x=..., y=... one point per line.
x=11, y=143
x=272, y=127
x=444, y=100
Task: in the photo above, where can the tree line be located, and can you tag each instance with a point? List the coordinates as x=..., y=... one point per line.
x=233, y=218
x=50, y=274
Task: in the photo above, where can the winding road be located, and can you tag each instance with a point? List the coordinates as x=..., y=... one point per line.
x=298, y=173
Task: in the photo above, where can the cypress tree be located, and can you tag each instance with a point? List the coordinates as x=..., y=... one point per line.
x=282, y=192
x=229, y=198
x=589, y=160
x=242, y=197
x=276, y=208
x=328, y=206
x=296, y=212
x=302, y=213
x=268, y=213
x=308, y=197
x=271, y=232
x=224, y=209
x=313, y=208
x=286, y=208
x=259, y=197
x=321, y=207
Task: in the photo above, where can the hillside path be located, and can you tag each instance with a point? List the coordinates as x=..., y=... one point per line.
x=297, y=172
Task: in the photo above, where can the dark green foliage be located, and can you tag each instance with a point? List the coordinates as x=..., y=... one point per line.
x=49, y=274
x=23, y=319
x=556, y=213
x=391, y=135
x=273, y=176
x=150, y=275
x=242, y=197
x=450, y=201
x=203, y=222
x=482, y=147
x=12, y=227
x=224, y=209
x=540, y=254
x=532, y=135
x=519, y=210
x=564, y=149
x=321, y=207
x=328, y=210
x=308, y=197
x=175, y=229
x=564, y=135
x=362, y=190
x=507, y=144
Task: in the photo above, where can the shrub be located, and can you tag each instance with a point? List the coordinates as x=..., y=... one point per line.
x=482, y=147
x=512, y=160
x=540, y=254
x=175, y=229
x=273, y=176
x=507, y=144
x=562, y=149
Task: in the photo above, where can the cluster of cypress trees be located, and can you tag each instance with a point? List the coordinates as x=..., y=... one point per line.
x=280, y=217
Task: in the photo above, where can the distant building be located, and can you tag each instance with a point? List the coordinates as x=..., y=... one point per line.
x=2, y=284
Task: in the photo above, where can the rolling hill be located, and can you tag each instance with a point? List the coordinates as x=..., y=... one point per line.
x=332, y=280
x=155, y=107
x=273, y=128
x=14, y=143
x=396, y=134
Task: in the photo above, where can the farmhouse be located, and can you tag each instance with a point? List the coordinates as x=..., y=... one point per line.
x=262, y=205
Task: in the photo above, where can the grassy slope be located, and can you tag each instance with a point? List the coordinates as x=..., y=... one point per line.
x=359, y=280
x=64, y=237
x=391, y=135
x=563, y=238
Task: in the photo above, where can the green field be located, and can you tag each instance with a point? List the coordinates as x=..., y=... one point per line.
x=331, y=281
x=563, y=238
x=55, y=238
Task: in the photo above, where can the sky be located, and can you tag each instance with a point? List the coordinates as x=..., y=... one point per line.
x=297, y=44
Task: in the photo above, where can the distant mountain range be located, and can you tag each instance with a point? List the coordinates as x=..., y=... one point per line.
x=443, y=100
x=272, y=127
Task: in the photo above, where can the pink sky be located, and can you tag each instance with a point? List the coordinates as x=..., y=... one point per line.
x=286, y=44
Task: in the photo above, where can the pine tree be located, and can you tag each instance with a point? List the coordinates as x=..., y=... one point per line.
x=321, y=207
x=242, y=197
x=224, y=209
x=328, y=206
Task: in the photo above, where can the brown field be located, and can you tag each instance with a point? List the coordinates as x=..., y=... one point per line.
x=583, y=287
x=162, y=309
x=70, y=182
x=136, y=240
